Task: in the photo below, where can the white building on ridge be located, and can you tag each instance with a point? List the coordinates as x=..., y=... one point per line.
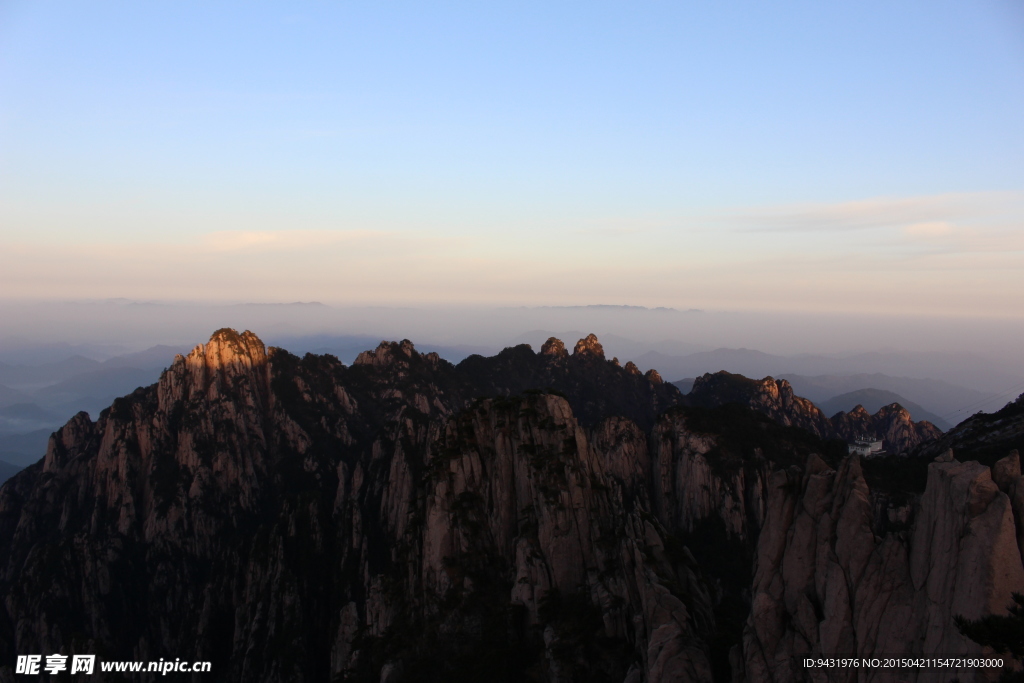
x=865, y=446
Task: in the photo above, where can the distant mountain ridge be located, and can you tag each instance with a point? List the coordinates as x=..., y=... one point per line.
x=10, y=396
x=45, y=395
x=24, y=448
x=906, y=374
x=8, y=470
x=949, y=401
x=874, y=399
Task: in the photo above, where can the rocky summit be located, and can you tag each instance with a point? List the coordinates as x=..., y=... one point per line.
x=548, y=516
x=775, y=398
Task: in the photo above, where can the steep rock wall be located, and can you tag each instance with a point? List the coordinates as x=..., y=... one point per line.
x=825, y=583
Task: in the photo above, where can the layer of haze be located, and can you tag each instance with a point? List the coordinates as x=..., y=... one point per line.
x=840, y=158
x=982, y=354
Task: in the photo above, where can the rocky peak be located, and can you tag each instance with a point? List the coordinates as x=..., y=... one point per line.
x=859, y=411
x=227, y=348
x=631, y=368
x=892, y=424
x=589, y=346
x=724, y=387
x=783, y=386
x=387, y=353
x=229, y=343
x=894, y=409
x=654, y=377
x=68, y=442
x=223, y=365
x=554, y=347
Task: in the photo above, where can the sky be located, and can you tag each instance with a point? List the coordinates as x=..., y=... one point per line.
x=805, y=157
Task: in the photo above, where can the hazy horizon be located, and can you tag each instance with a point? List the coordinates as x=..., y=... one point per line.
x=59, y=358
x=980, y=352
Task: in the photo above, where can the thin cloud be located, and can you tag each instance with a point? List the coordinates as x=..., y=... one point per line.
x=927, y=212
x=226, y=241
x=929, y=229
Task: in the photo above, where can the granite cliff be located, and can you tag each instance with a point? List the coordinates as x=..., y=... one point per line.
x=840, y=570
x=548, y=516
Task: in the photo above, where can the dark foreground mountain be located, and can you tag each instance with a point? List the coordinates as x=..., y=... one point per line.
x=532, y=516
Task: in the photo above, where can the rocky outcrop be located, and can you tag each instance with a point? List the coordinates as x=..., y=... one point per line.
x=776, y=399
x=892, y=424
x=554, y=347
x=826, y=584
x=589, y=346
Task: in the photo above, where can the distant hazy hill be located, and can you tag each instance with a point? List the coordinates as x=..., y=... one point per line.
x=10, y=396
x=873, y=399
x=107, y=383
x=925, y=379
x=26, y=417
x=24, y=449
x=685, y=385
x=155, y=358
x=953, y=402
x=7, y=470
x=28, y=377
x=47, y=395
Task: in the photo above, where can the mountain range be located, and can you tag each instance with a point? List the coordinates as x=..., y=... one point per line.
x=531, y=516
x=872, y=400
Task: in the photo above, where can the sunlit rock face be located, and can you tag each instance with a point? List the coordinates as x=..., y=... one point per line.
x=589, y=346
x=554, y=347
x=532, y=516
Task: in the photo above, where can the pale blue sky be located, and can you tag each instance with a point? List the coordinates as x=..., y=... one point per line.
x=801, y=156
